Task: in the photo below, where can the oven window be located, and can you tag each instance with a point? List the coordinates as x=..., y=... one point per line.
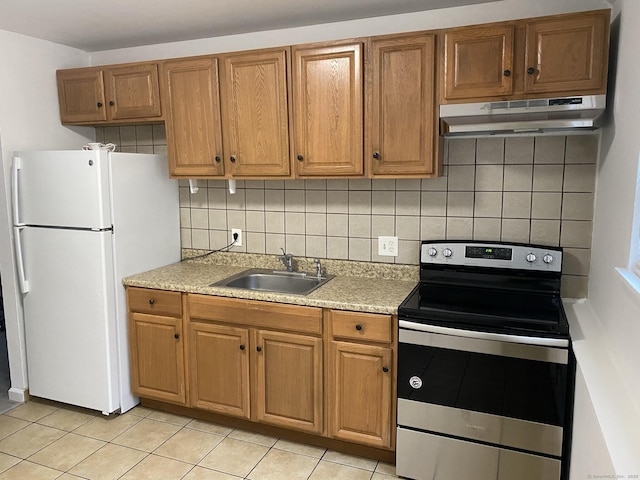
x=510, y=387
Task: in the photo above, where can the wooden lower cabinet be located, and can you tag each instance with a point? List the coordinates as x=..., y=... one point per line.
x=360, y=393
x=219, y=368
x=242, y=363
x=157, y=357
x=288, y=380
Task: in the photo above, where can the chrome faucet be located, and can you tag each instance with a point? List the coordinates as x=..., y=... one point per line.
x=287, y=259
x=318, y=267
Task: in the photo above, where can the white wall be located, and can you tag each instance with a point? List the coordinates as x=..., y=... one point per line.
x=609, y=322
x=29, y=119
x=449, y=17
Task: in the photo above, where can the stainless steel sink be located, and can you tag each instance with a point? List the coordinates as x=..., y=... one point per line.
x=274, y=281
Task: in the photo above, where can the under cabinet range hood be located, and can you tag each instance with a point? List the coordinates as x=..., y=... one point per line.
x=522, y=116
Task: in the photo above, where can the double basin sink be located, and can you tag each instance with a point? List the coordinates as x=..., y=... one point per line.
x=260, y=279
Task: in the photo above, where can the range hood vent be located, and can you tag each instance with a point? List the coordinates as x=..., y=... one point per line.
x=523, y=116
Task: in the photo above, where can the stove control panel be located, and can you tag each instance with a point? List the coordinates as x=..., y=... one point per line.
x=492, y=255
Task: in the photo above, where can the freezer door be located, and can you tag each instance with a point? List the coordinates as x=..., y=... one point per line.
x=69, y=315
x=62, y=188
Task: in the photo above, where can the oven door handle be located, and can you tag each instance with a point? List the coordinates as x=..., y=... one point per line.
x=532, y=348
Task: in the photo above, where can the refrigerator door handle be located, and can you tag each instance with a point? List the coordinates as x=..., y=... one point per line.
x=24, y=283
x=15, y=168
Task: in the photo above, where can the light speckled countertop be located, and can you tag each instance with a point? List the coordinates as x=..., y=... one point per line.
x=374, y=290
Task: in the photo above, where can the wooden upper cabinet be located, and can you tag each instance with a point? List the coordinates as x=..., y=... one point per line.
x=115, y=94
x=255, y=113
x=478, y=61
x=328, y=109
x=566, y=54
x=400, y=106
x=81, y=95
x=192, y=110
x=560, y=55
x=133, y=91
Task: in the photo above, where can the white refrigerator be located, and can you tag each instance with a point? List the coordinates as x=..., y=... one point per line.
x=83, y=220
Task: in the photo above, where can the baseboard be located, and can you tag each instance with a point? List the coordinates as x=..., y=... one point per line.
x=18, y=394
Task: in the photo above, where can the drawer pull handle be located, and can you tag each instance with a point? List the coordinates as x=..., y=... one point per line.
x=99, y=104
x=376, y=155
x=259, y=349
x=217, y=158
x=358, y=327
x=241, y=347
x=151, y=301
x=232, y=159
x=507, y=73
x=385, y=369
x=531, y=70
x=176, y=336
x=300, y=158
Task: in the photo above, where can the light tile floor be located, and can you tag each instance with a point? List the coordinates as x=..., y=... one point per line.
x=43, y=440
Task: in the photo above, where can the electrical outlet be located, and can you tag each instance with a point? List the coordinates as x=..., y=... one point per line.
x=388, y=246
x=239, y=240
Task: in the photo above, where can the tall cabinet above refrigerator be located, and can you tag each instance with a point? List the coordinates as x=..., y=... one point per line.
x=83, y=220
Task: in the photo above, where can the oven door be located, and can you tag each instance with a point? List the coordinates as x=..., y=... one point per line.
x=500, y=404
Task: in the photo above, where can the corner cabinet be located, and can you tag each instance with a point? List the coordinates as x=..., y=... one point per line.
x=567, y=54
x=328, y=109
x=558, y=55
x=156, y=344
x=255, y=113
x=191, y=96
x=400, y=98
x=114, y=94
x=257, y=360
x=361, y=378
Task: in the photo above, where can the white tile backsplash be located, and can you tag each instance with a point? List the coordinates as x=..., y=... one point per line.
x=524, y=189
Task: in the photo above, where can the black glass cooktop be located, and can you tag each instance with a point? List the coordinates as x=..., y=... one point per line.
x=519, y=312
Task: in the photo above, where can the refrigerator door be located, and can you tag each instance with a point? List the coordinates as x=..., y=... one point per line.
x=62, y=188
x=69, y=317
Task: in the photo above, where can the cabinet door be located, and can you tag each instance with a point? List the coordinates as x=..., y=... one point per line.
x=400, y=97
x=157, y=357
x=360, y=386
x=288, y=380
x=327, y=92
x=81, y=95
x=255, y=113
x=192, y=117
x=567, y=54
x=478, y=62
x=133, y=91
x=219, y=368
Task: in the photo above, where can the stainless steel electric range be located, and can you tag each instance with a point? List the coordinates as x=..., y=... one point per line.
x=485, y=367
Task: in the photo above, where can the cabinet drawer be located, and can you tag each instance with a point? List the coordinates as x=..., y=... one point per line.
x=158, y=302
x=361, y=326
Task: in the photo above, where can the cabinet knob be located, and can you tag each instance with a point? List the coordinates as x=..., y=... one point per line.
x=258, y=349
x=151, y=301
x=232, y=159
x=176, y=335
x=376, y=155
x=300, y=158
x=385, y=369
x=99, y=104
x=217, y=159
x=241, y=347
x=507, y=73
x=531, y=70
x=358, y=327
x=111, y=103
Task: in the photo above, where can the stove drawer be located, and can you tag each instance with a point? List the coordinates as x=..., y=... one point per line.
x=424, y=456
x=370, y=327
x=481, y=427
